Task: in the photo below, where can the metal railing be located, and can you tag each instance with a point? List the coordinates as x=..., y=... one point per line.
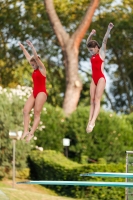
x=129, y=169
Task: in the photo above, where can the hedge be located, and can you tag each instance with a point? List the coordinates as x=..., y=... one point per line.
x=52, y=165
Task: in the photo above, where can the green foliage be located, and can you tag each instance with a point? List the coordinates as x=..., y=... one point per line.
x=23, y=173
x=11, y=120
x=23, y=27
x=71, y=12
x=111, y=137
x=51, y=165
x=5, y=144
x=22, y=75
x=51, y=128
x=37, y=28
x=76, y=125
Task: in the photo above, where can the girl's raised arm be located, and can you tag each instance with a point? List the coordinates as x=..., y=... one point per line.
x=27, y=55
x=103, y=47
x=39, y=62
x=93, y=32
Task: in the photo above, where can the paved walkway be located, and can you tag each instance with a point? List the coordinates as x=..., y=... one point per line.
x=3, y=196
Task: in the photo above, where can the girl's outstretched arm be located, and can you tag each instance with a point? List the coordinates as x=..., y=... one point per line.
x=103, y=47
x=27, y=55
x=39, y=62
x=93, y=32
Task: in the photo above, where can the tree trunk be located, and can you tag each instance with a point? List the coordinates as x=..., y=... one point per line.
x=73, y=82
x=70, y=49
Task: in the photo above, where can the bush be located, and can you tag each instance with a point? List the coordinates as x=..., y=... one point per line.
x=23, y=173
x=51, y=165
x=51, y=130
x=11, y=104
x=111, y=137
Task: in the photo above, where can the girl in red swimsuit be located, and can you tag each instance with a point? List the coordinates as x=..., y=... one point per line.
x=98, y=79
x=39, y=95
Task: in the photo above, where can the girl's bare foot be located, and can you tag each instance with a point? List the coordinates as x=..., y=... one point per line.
x=24, y=135
x=30, y=136
x=87, y=126
x=90, y=127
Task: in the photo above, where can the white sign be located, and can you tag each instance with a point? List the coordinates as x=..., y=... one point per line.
x=66, y=142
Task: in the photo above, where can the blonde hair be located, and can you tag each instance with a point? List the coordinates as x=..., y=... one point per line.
x=33, y=58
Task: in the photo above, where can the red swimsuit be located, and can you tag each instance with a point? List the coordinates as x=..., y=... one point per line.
x=39, y=83
x=96, y=62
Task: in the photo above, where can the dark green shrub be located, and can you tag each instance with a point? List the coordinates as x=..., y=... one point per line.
x=51, y=165
x=51, y=129
x=111, y=137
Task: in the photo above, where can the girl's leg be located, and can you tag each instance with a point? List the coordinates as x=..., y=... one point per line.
x=98, y=95
x=27, y=108
x=39, y=102
x=92, y=105
x=92, y=96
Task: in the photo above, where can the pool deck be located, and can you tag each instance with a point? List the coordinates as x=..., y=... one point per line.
x=3, y=196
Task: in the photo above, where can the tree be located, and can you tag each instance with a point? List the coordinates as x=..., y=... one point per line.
x=21, y=26
x=70, y=49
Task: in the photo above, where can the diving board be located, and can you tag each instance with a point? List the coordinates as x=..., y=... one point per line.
x=80, y=183
x=109, y=174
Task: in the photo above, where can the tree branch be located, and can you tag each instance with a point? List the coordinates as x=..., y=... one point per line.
x=85, y=23
x=55, y=22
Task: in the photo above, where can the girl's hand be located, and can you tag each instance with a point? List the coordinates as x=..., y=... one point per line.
x=111, y=25
x=21, y=46
x=93, y=32
x=29, y=43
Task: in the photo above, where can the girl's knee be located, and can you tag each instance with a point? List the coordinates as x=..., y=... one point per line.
x=37, y=113
x=25, y=111
x=92, y=101
x=97, y=100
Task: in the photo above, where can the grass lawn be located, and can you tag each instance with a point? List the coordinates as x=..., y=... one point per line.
x=28, y=192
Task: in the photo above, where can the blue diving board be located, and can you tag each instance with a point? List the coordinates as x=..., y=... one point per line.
x=109, y=174
x=80, y=183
